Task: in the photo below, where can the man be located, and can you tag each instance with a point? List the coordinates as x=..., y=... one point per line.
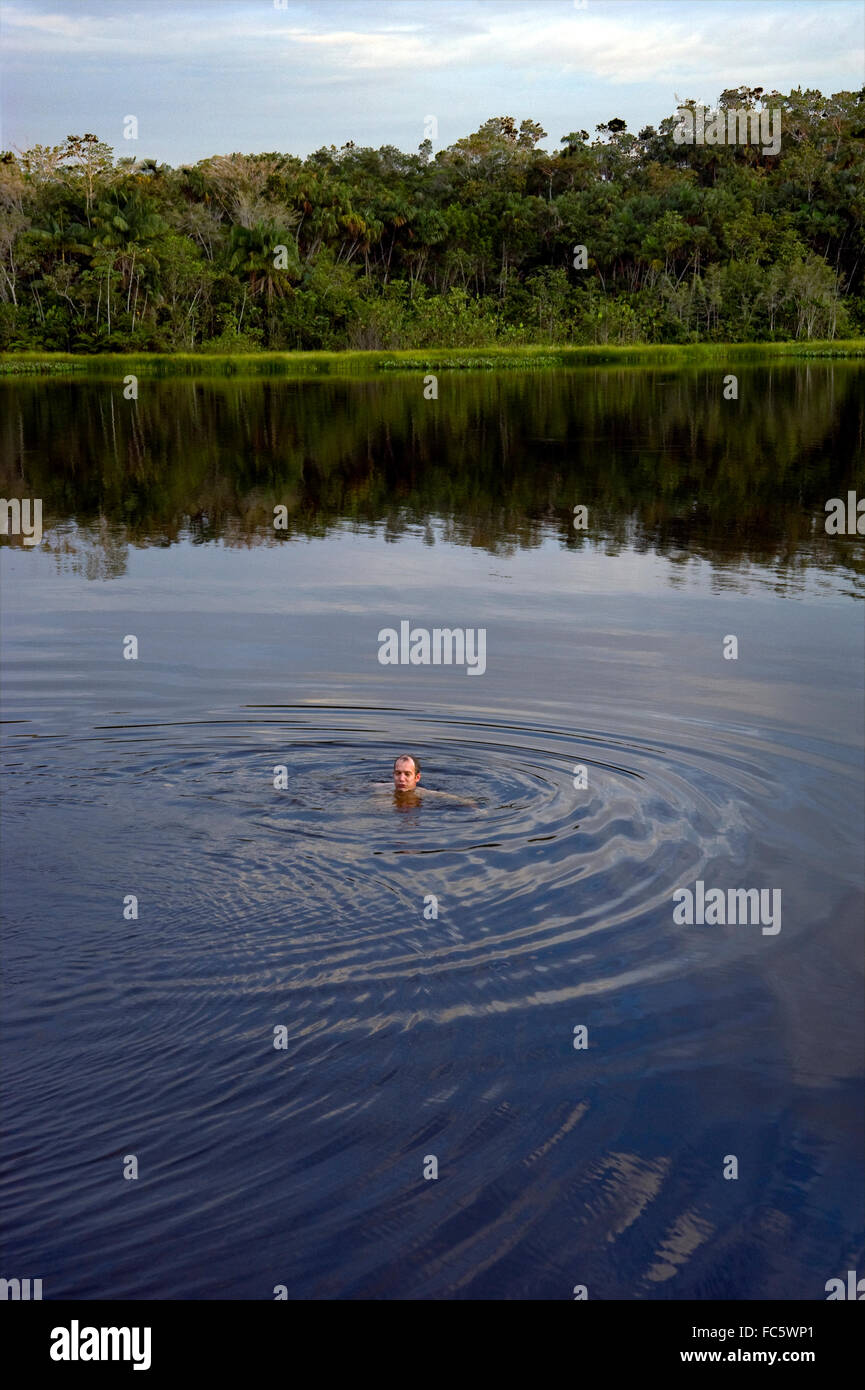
x=406, y=773
x=406, y=776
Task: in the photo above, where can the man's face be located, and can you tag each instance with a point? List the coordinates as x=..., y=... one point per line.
x=405, y=778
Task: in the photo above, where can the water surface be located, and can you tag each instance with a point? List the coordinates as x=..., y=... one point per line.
x=424, y=967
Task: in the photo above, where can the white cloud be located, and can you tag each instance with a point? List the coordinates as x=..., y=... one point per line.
x=224, y=74
x=617, y=44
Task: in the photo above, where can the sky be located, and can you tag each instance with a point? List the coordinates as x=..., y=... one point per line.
x=207, y=77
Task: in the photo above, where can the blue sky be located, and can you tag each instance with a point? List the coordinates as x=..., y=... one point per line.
x=212, y=76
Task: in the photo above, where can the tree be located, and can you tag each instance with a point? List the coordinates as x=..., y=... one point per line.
x=475, y=244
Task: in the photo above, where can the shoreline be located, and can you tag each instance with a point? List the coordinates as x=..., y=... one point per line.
x=378, y=362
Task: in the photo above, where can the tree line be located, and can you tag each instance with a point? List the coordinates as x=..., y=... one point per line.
x=474, y=245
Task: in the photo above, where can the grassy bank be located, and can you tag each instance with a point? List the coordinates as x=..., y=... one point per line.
x=301, y=364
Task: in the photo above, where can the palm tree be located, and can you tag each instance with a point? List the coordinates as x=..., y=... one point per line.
x=253, y=252
x=123, y=222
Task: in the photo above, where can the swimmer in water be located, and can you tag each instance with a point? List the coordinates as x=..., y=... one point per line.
x=407, y=792
x=406, y=773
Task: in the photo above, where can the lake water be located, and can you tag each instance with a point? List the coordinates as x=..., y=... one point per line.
x=323, y=989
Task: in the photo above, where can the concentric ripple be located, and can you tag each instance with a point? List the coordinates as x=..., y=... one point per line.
x=533, y=840
x=319, y=986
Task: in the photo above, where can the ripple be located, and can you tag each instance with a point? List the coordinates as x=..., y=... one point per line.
x=327, y=882
x=308, y=909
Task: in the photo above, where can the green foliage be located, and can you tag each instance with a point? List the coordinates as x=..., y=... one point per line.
x=362, y=249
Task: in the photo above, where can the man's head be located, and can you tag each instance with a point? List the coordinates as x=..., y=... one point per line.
x=406, y=773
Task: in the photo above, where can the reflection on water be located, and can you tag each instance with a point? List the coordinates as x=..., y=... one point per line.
x=324, y=985
x=660, y=459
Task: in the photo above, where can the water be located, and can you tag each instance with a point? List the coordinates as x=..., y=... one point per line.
x=423, y=967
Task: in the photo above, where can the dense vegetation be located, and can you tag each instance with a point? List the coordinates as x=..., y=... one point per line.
x=358, y=248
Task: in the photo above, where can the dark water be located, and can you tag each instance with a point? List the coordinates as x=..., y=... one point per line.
x=302, y=908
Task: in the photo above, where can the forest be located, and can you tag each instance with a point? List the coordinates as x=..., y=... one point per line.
x=473, y=245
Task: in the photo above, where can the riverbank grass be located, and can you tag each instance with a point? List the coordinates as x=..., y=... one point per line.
x=374, y=363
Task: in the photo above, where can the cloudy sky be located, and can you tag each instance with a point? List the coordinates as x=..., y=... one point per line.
x=212, y=76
